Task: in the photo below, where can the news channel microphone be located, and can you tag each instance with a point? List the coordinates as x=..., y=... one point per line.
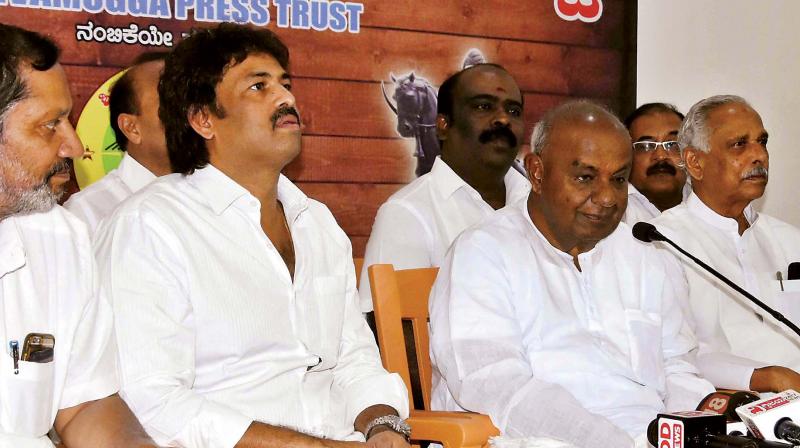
x=774, y=418
x=648, y=233
x=725, y=402
x=698, y=429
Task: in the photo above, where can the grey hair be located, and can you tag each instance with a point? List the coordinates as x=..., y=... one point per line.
x=573, y=108
x=694, y=129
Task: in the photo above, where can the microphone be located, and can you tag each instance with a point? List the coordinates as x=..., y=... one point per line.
x=725, y=402
x=794, y=271
x=771, y=418
x=647, y=233
x=698, y=429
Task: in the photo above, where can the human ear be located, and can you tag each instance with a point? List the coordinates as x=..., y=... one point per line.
x=202, y=123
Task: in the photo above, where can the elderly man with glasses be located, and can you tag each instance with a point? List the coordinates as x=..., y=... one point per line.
x=657, y=182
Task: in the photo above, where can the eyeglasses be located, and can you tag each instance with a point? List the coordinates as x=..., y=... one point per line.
x=647, y=146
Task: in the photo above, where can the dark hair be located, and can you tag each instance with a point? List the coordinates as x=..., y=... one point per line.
x=444, y=99
x=21, y=47
x=190, y=78
x=123, y=98
x=651, y=108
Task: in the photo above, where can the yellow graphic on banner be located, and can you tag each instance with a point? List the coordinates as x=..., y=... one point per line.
x=101, y=153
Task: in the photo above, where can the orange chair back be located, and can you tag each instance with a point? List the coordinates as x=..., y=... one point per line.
x=400, y=296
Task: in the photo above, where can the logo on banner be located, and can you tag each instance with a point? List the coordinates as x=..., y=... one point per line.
x=587, y=11
x=101, y=153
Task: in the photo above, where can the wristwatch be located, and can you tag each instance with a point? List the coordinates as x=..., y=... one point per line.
x=392, y=422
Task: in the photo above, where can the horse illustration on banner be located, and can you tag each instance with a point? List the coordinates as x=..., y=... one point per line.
x=415, y=106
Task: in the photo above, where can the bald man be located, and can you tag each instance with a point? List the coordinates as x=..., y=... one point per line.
x=549, y=316
x=134, y=118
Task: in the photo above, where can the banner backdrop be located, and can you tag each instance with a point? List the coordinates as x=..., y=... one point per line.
x=365, y=74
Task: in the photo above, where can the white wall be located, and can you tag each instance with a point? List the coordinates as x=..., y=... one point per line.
x=692, y=49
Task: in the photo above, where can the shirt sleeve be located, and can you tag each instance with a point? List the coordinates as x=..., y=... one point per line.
x=399, y=237
x=143, y=278
x=359, y=371
x=477, y=346
x=684, y=385
x=92, y=368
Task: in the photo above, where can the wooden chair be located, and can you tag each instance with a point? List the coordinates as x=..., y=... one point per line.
x=403, y=296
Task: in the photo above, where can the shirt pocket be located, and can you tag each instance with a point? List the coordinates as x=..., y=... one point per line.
x=28, y=398
x=327, y=309
x=644, y=337
x=785, y=299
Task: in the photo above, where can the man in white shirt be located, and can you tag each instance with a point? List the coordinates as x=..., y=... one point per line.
x=57, y=367
x=133, y=110
x=549, y=317
x=235, y=298
x=658, y=182
x=724, y=146
x=480, y=126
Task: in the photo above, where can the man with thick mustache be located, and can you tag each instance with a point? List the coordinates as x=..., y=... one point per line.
x=549, y=316
x=724, y=147
x=237, y=312
x=657, y=182
x=480, y=126
x=58, y=364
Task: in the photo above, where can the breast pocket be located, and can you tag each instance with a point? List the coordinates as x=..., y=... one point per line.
x=325, y=327
x=786, y=298
x=644, y=337
x=27, y=398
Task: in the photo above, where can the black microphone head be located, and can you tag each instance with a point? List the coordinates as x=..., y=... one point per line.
x=794, y=271
x=644, y=231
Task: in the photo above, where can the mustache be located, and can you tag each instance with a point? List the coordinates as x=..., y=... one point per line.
x=63, y=165
x=662, y=166
x=282, y=112
x=757, y=171
x=497, y=133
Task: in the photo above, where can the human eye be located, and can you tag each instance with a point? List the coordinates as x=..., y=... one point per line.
x=257, y=86
x=763, y=140
x=739, y=143
x=483, y=106
x=52, y=124
x=644, y=146
x=515, y=111
x=584, y=178
x=671, y=146
x=287, y=86
x=621, y=180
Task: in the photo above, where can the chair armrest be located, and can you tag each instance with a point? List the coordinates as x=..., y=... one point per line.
x=452, y=429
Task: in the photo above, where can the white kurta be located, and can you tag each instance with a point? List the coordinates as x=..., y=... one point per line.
x=725, y=322
x=48, y=285
x=213, y=331
x=417, y=224
x=589, y=357
x=99, y=199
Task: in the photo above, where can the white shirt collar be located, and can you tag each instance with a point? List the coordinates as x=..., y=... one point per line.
x=12, y=252
x=447, y=182
x=221, y=191
x=560, y=253
x=699, y=209
x=134, y=174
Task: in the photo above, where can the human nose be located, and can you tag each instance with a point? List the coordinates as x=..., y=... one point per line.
x=604, y=195
x=285, y=98
x=760, y=154
x=71, y=146
x=660, y=153
x=501, y=118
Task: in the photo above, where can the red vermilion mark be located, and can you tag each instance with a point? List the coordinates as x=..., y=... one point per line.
x=104, y=99
x=584, y=10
